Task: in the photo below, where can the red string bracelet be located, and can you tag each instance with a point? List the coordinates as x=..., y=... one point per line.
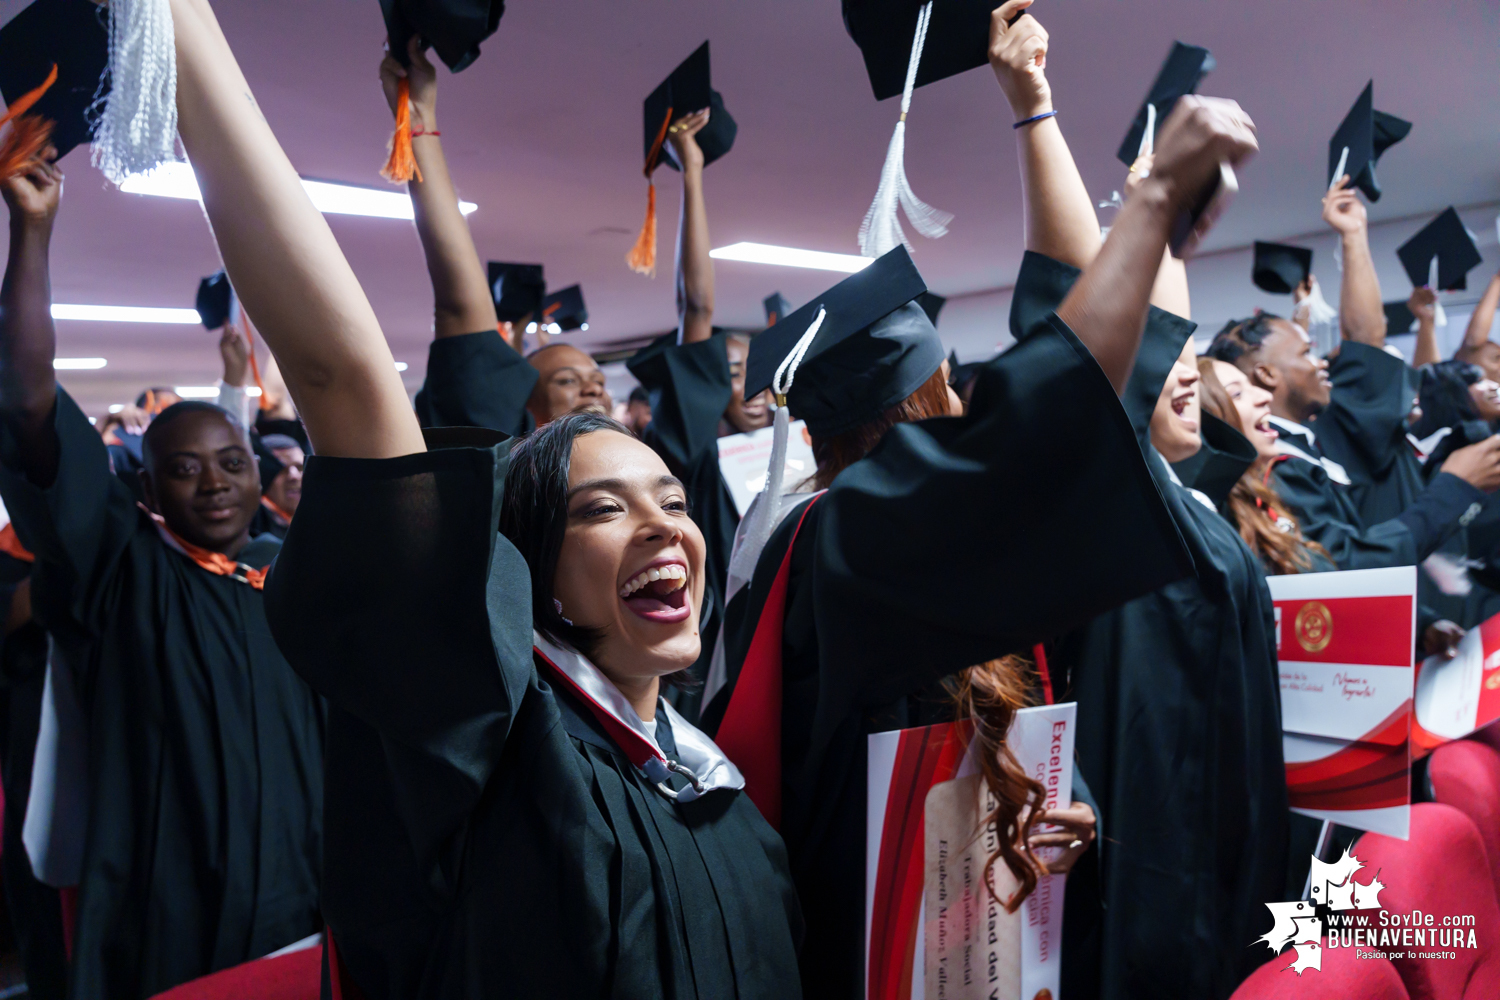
x=433, y=132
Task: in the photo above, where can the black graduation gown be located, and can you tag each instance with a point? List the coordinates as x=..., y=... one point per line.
x=1363, y=428
x=35, y=910
x=485, y=837
x=268, y=522
x=955, y=541
x=205, y=749
x=476, y=380
x=690, y=389
x=1328, y=514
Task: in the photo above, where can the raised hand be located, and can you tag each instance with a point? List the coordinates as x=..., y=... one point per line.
x=1018, y=55
x=235, y=351
x=1200, y=134
x=34, y=194
x=1477, y=464
x=1423, y=305
x=682, y=141
x=421, y=77
x=1343, y=210
x=1078, y=825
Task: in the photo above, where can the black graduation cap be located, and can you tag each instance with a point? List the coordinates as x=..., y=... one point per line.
x=1279, y=268
x=777, y=308
x=71, y=35
x=1398, y=318
x=958, y=39
x=268, y=465
x=1185, y=68
x=215, y=300
x=931, y=305
x=1446, y=239
x=876, y=347
x=517, y=289
x=686, y=91
x=454, y=28
x=1366, y=133
x=565, y=308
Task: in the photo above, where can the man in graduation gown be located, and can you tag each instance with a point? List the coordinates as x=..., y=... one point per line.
x=204, y=749
x=696, y=379
x=474, y=377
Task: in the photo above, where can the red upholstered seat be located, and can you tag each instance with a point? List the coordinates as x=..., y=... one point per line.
x=1465, y=774
x=1441, y=870
x=1489, y=735
x=294, y=976
x=1343, y=977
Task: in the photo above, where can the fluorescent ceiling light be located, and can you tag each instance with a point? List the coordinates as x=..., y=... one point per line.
x=253, y=392
x=116, y=407
x=176, y=180
x=77, y=364
x=401, y=366
x=124, y=314
x=197, y=391
x=760, y=253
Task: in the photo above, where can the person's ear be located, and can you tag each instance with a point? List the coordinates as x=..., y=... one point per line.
x=1266, y=376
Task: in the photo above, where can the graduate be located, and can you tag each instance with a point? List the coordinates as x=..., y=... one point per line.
x=696, y=381
x=861, y=605
x=510, y=811
x=1477, y=347
x=205, y=750
x=475, y=377
x=279, y=459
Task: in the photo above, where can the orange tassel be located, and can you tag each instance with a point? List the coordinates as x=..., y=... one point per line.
x=402, y=164
x=265, y=404
x=29, y=134
x=642, y=256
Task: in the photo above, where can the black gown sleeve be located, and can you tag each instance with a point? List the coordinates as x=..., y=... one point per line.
x=961, y=539
x=690, y=389
x=78, y=527
x=476, y=380
x=396, y=599
x=1364, y=425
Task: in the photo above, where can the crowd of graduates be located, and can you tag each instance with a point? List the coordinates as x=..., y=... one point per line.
x=494, y=692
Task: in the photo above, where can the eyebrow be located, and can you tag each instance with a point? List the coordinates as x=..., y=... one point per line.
x=620, y=486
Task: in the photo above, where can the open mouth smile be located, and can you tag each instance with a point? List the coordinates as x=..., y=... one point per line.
x=658, y=593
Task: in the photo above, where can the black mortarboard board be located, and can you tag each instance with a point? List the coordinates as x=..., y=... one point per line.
x=215, y=300
x=1279, y=268
x=517, y=289
x=958, y=39
x=685, y=91
x=70, y=34
x=1446, y=239
x=876, y=347
x=1185, y=68
x=931, y=305
x=565, y=308
x=777, y=308
x=1398, y=318
x=1366, y=133
x=454, y=28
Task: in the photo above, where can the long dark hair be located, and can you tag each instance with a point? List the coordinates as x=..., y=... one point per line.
x=534, y=516
x=987, y=695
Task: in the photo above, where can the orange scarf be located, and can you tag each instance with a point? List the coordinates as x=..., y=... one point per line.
x=270, y=505
x=216, y=563
x=11, y=545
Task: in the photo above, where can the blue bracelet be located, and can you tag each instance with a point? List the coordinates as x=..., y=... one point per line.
x=1034, y=118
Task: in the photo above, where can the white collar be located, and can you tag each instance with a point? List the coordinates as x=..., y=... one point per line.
x=1281, y=423
x=1198, y=495
x=1336, y=472
x=1425, y=445
x=695, y=751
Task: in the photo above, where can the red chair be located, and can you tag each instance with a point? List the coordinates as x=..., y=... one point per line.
x=297, y=975
x=1342, y=977
x=1465, y=774
x=1441, y=870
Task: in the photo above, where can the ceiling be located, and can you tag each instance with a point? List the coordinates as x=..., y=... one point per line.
x=543, y=132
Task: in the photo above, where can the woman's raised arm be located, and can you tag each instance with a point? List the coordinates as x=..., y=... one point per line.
x=286, y=266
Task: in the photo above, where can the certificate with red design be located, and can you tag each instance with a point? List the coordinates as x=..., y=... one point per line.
x=1455, y=697
x=1345, y=649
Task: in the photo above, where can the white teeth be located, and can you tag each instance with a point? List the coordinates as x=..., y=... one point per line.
x=668, y=572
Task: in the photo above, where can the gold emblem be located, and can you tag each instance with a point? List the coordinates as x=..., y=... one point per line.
x=1492, y=682
x=1314, y=627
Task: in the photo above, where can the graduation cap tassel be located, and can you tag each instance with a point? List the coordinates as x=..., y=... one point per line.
x=1318, y=309
x=1439, y=316
x=138, y=126
x=881, y=229
x=28, y=134
x=401, y=166
x=642, y=256
x=765, y=513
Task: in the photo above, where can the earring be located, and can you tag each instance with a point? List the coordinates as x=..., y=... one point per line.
x=558, y=605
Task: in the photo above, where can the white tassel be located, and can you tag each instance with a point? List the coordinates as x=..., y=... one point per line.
x=1318, y=309
x=1439, y=316
x=1148, y=137
x=138, y=127
x=881, y=229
